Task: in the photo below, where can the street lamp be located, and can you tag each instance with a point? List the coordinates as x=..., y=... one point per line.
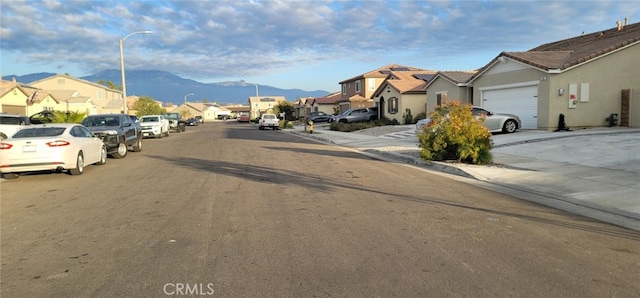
x=185, y=98
x=124, y=84
x=257, y=98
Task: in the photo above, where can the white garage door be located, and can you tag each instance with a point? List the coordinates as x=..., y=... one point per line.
x=521, y=101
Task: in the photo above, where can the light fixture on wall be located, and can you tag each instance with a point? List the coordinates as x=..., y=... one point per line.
x=388, y=89
x=560, y=92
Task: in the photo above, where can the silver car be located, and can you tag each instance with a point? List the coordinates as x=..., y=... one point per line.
x=495, y=122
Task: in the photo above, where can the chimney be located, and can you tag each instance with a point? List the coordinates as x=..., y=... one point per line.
x=626, y=21
x=619, y=24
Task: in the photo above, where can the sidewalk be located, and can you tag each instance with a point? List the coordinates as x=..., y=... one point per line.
x=591, y=172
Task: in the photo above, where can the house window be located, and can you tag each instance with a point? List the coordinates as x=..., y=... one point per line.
x=357, y=86
x=393, y=105
x=371, y=84
x=441, y=98
x=99, y=95
x=344, y=89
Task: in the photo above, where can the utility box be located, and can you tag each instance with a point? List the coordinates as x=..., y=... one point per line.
x=612, y=119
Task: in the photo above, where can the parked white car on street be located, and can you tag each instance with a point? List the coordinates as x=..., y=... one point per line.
x=154, y=126
x=51, y=147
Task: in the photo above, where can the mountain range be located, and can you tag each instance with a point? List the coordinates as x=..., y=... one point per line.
x=166, y=87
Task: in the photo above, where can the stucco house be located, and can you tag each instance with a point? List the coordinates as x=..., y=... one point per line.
x=21, y=99
x=402, y=92
x=102, y=96
x=357, y=92
x=585, y=78
x=263, y=104
x=327, y=104
x=448, y=85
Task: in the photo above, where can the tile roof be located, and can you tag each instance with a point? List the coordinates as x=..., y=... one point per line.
x=329, y=99
x=566, y=53
x=384, y=71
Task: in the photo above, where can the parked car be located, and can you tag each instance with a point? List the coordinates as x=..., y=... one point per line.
x=318, y=116
x=134, y=118
x=495, y=122
x=270, y=121
x=51, y=147
x=42, y=117
x=117, y=132
x=200, y=119
x=176, y=123
x=244, y=118
x=357, y=115
x=9, y=124
x=154, y=126
x=192, y=122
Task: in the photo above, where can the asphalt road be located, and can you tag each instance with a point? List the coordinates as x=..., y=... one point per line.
x=227, y=210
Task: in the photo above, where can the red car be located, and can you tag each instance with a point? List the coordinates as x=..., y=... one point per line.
x=243, y=118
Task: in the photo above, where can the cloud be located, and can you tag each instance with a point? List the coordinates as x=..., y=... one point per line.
x=227, y=39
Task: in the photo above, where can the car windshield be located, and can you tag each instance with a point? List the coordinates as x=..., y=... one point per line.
x=39, y=132
x=269, y=116
x=149, y=119
x=171, y=116
x=100, y=121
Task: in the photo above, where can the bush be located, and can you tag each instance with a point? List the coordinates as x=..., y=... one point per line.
x=419, y=117
x=408, y=118
x=454, y=134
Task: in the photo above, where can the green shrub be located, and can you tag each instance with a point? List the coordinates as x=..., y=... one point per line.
x=454, y=134
x=408, y=117
x=419, y=117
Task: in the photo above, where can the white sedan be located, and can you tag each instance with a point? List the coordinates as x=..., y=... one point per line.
x=51, y=147
x=495, y=122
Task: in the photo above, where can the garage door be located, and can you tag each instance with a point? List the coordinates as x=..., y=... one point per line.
x=521, y=101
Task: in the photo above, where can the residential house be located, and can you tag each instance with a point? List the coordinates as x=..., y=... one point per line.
x=237, y=109
x=299, y=107
x=21, y=99
x=583, y=79
x=104, y=98
x=448, y=86
x=357, y=92
x=263, y=104
x=401, y=93
x=327, y=104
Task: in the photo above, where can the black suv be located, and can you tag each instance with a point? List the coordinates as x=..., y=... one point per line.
x=318, y=116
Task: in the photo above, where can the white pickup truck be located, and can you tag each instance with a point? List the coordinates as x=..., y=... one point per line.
x=268, y=120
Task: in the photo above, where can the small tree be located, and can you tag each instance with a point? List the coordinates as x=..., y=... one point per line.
x=454, y=133
x=147, y=106
x=286, y=108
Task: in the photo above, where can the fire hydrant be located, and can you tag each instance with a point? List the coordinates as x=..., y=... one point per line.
x=310, y=126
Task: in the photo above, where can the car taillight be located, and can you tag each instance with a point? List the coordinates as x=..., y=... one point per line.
x=58, y=143
x=5, y=146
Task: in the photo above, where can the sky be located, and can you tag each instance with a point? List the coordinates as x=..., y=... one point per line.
x=303, y=44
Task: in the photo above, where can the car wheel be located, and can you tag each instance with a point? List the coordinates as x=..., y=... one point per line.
x=122, y=151
x=79, y=169
x=103, y=156
x=10, y=175
x=137, y=146
x=509, y=126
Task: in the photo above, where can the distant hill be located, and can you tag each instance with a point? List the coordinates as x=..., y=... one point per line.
x=166, y=87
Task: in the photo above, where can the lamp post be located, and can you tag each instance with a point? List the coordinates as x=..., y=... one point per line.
x=257, y=98
x=124, y=84
x=185, y=98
